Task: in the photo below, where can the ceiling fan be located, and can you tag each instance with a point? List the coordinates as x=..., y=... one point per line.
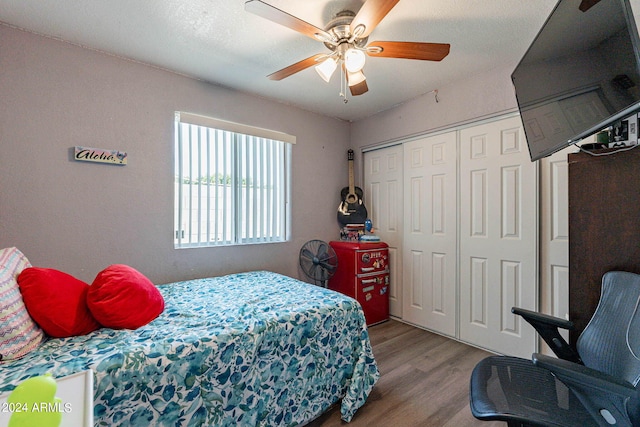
x=346, y=36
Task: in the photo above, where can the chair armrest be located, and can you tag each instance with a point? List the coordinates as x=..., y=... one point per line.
x=543, y=318
x=547, y=327
x=575, y=374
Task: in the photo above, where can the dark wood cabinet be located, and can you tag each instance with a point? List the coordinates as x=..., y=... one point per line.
x=604, y=226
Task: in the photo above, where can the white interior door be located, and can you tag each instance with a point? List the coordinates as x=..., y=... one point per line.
x=498, y=237
x=554, y=237
x=383, y=196
x=430, y=230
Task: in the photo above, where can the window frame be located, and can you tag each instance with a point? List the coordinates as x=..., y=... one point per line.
x=183, y=233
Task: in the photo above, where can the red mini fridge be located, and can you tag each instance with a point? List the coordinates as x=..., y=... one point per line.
x=363, y=274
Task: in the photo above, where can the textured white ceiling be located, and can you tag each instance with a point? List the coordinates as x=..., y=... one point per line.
x=217, y=41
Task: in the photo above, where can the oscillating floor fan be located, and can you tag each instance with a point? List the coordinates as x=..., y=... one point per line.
x=318, y=261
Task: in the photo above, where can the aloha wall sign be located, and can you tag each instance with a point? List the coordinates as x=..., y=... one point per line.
x=99, y=155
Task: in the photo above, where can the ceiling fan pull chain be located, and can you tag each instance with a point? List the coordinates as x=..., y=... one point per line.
x=343, y=85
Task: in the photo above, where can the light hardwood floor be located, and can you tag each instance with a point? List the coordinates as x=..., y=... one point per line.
x=424, y=381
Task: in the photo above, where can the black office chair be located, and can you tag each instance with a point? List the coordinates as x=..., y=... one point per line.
x=595, y=384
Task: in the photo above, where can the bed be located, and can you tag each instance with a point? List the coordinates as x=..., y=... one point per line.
x=254, y=348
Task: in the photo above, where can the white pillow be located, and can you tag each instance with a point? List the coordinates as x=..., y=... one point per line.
x=19, y=334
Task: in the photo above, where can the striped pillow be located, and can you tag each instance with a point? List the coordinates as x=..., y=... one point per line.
x=19, y=334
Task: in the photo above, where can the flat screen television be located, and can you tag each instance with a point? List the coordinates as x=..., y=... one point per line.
x=580, y=75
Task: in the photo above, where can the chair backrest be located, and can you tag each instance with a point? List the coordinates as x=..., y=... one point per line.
x=611, y=341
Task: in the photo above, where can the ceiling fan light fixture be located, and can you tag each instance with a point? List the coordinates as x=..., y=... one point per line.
x=354, y=60
x=326, y=68
x=355, y=78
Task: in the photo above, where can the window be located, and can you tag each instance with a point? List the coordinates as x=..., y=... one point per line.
x=231, y=183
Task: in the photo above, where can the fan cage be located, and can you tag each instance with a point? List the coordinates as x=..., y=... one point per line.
x=318, y=261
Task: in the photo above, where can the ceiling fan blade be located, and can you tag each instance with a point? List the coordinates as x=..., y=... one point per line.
x=587, y=4
x=265, y=10
x=370, y=15
x=298, y=66
x=359, y=89
x=409, y=50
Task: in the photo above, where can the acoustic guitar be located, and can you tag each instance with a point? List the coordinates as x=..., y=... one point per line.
x=351, y=210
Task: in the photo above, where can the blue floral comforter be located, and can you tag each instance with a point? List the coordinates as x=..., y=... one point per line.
x=246, y=349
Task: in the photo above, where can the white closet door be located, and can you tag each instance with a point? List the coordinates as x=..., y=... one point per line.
x=498, y=237
x=430, y=226
x=383, y=199
x=554, y=237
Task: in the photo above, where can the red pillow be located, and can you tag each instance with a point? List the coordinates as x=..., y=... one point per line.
x=121, y=297
x=57, y=302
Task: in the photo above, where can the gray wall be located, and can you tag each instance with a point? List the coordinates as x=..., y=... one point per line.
x=81, y=217
x=479, y=96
